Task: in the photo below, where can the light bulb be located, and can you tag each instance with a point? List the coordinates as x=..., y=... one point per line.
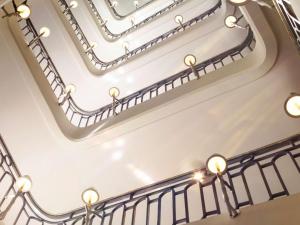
x=24, y=183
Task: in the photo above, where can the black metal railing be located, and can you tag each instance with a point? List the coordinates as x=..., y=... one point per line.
x=81, y=118
x=290, y=19
x=104, y=66
x=112, y=36
x=257, y=176
x=119, y=16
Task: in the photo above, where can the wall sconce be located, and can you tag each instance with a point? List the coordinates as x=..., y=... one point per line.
x=89, y=196
x=179, y=19
x=136, y=3
x=44, y=32
x=292, y=105
x=217, y=164
x=69, y=89
x=24, y=185
x=125, y=45
x=231, y=22
x=23, y=11
x=114, y=4
x=92, y=46
x=244, y=2
x=72, y=5
x=114, y=92
x=190, y=61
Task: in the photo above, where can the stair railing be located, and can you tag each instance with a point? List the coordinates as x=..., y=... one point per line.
x=253, y=177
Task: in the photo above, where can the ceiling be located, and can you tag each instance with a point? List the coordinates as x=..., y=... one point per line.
x=239, y=120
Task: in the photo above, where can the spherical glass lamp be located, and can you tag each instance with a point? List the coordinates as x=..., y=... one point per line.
x=216, y=164
x=114, y=92
x=178, y=19
x=45, y=31
x=190, y=60
x=73, y=4
x=90, y=196
x=24, y=183
x=230, y=21
x=23, y=11
x=292, y=105
x=239, y=2
x=70, y=88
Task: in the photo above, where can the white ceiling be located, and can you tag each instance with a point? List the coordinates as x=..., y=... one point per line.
x=237, y=121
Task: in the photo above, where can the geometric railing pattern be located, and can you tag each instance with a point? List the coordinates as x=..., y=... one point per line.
x=104, y=66
x=112, y=36
x=81, y=118
x=257, y=176
x=290, y=19
x=119, y=16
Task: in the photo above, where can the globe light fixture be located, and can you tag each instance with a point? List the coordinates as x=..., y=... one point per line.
x=90, y=196
x=179, y=19
x=238, y=2
x=68, y=90
x=23, y=185
x=114, y=92
x=23, y=11
x=44, y=32
x=292, y=105
x=190, y=61
x=72, y=5
x=217, y=164
x=231, y=22
x=244, y=2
